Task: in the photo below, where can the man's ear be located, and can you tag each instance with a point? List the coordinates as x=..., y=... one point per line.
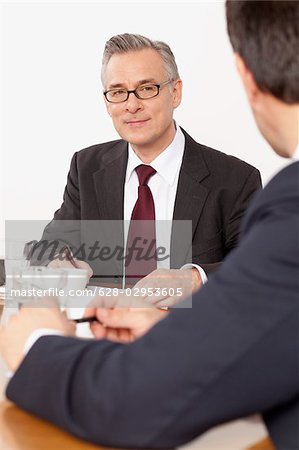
x=177, y=93
x=108, y=107
x=248, y=80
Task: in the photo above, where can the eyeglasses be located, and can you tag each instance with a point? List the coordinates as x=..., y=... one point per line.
x=142, y=92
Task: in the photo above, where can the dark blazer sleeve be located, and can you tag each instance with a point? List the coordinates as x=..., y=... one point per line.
x=64, y=229
x=70, y=208
x=234, y=353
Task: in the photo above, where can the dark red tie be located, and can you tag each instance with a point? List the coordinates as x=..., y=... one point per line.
x=141, y=241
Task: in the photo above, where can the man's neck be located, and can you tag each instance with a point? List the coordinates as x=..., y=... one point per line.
x=147, y=153
x=291, y=129
x=286, y=123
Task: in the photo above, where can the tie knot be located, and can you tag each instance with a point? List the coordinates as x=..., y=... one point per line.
x=144, y=173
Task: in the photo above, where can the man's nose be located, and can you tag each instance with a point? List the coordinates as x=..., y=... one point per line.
x=133, y=104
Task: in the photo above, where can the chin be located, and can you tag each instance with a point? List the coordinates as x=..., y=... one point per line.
x=135, y=137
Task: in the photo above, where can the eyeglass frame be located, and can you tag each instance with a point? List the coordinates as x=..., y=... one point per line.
x=133, y=91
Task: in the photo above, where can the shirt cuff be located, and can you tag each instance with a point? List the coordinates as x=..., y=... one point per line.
x=202, y=273
x=36, y=334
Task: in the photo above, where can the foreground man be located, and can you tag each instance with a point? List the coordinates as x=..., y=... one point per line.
x=236, y=351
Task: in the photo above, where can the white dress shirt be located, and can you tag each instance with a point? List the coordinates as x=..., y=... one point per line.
x=163, y=185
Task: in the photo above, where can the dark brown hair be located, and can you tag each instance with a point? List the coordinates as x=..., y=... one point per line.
x=266, y=36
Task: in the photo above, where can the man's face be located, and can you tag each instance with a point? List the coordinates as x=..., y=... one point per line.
x=144, y=123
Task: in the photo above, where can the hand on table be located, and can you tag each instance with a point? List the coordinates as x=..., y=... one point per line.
x=119, y=323
x=60, y=264
x=14, y=334
x=167, y=287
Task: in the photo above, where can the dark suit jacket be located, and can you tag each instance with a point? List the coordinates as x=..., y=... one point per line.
x=234, y=353
x=214, y=190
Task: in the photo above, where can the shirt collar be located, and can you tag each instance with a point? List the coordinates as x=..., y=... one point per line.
x=167, y=164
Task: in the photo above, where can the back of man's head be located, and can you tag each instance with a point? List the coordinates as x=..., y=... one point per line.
x=127, y=42
x=266, y=36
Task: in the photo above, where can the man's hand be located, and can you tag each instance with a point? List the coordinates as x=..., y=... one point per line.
x=14, y=334
x=167, y=287
x=124, y=324
x=58, y=264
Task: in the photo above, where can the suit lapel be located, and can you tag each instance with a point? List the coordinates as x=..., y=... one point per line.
x=109, y=183
x=191, y=194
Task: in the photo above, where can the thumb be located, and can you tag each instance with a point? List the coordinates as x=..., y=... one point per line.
x=117, y=318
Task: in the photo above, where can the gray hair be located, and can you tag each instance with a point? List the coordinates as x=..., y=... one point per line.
x=124, y=43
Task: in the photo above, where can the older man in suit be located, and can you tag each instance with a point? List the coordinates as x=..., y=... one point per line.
x=236, y=351
x=190, y=181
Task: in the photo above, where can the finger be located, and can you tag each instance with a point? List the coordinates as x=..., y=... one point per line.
x=148, y=280
x=89, y=312
x=144, y=283
x=57, y=264
x=98, y=330
x=84, y=265
x=71, y=327
x=112, y=334
x=124, y=335
x=119, y=318
x=100, y=312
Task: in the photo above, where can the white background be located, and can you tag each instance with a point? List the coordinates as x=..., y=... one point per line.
x=52, y=103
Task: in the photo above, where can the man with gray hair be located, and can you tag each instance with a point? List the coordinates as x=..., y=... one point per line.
x=157, y=172
x=235, y=353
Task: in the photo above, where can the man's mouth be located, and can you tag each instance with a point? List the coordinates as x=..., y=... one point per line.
x=136, y=122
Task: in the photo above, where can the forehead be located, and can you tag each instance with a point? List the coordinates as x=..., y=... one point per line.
x=132, y=67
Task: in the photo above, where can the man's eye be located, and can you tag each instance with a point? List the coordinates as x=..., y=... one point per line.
x=118, y=93
x=147, y=88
